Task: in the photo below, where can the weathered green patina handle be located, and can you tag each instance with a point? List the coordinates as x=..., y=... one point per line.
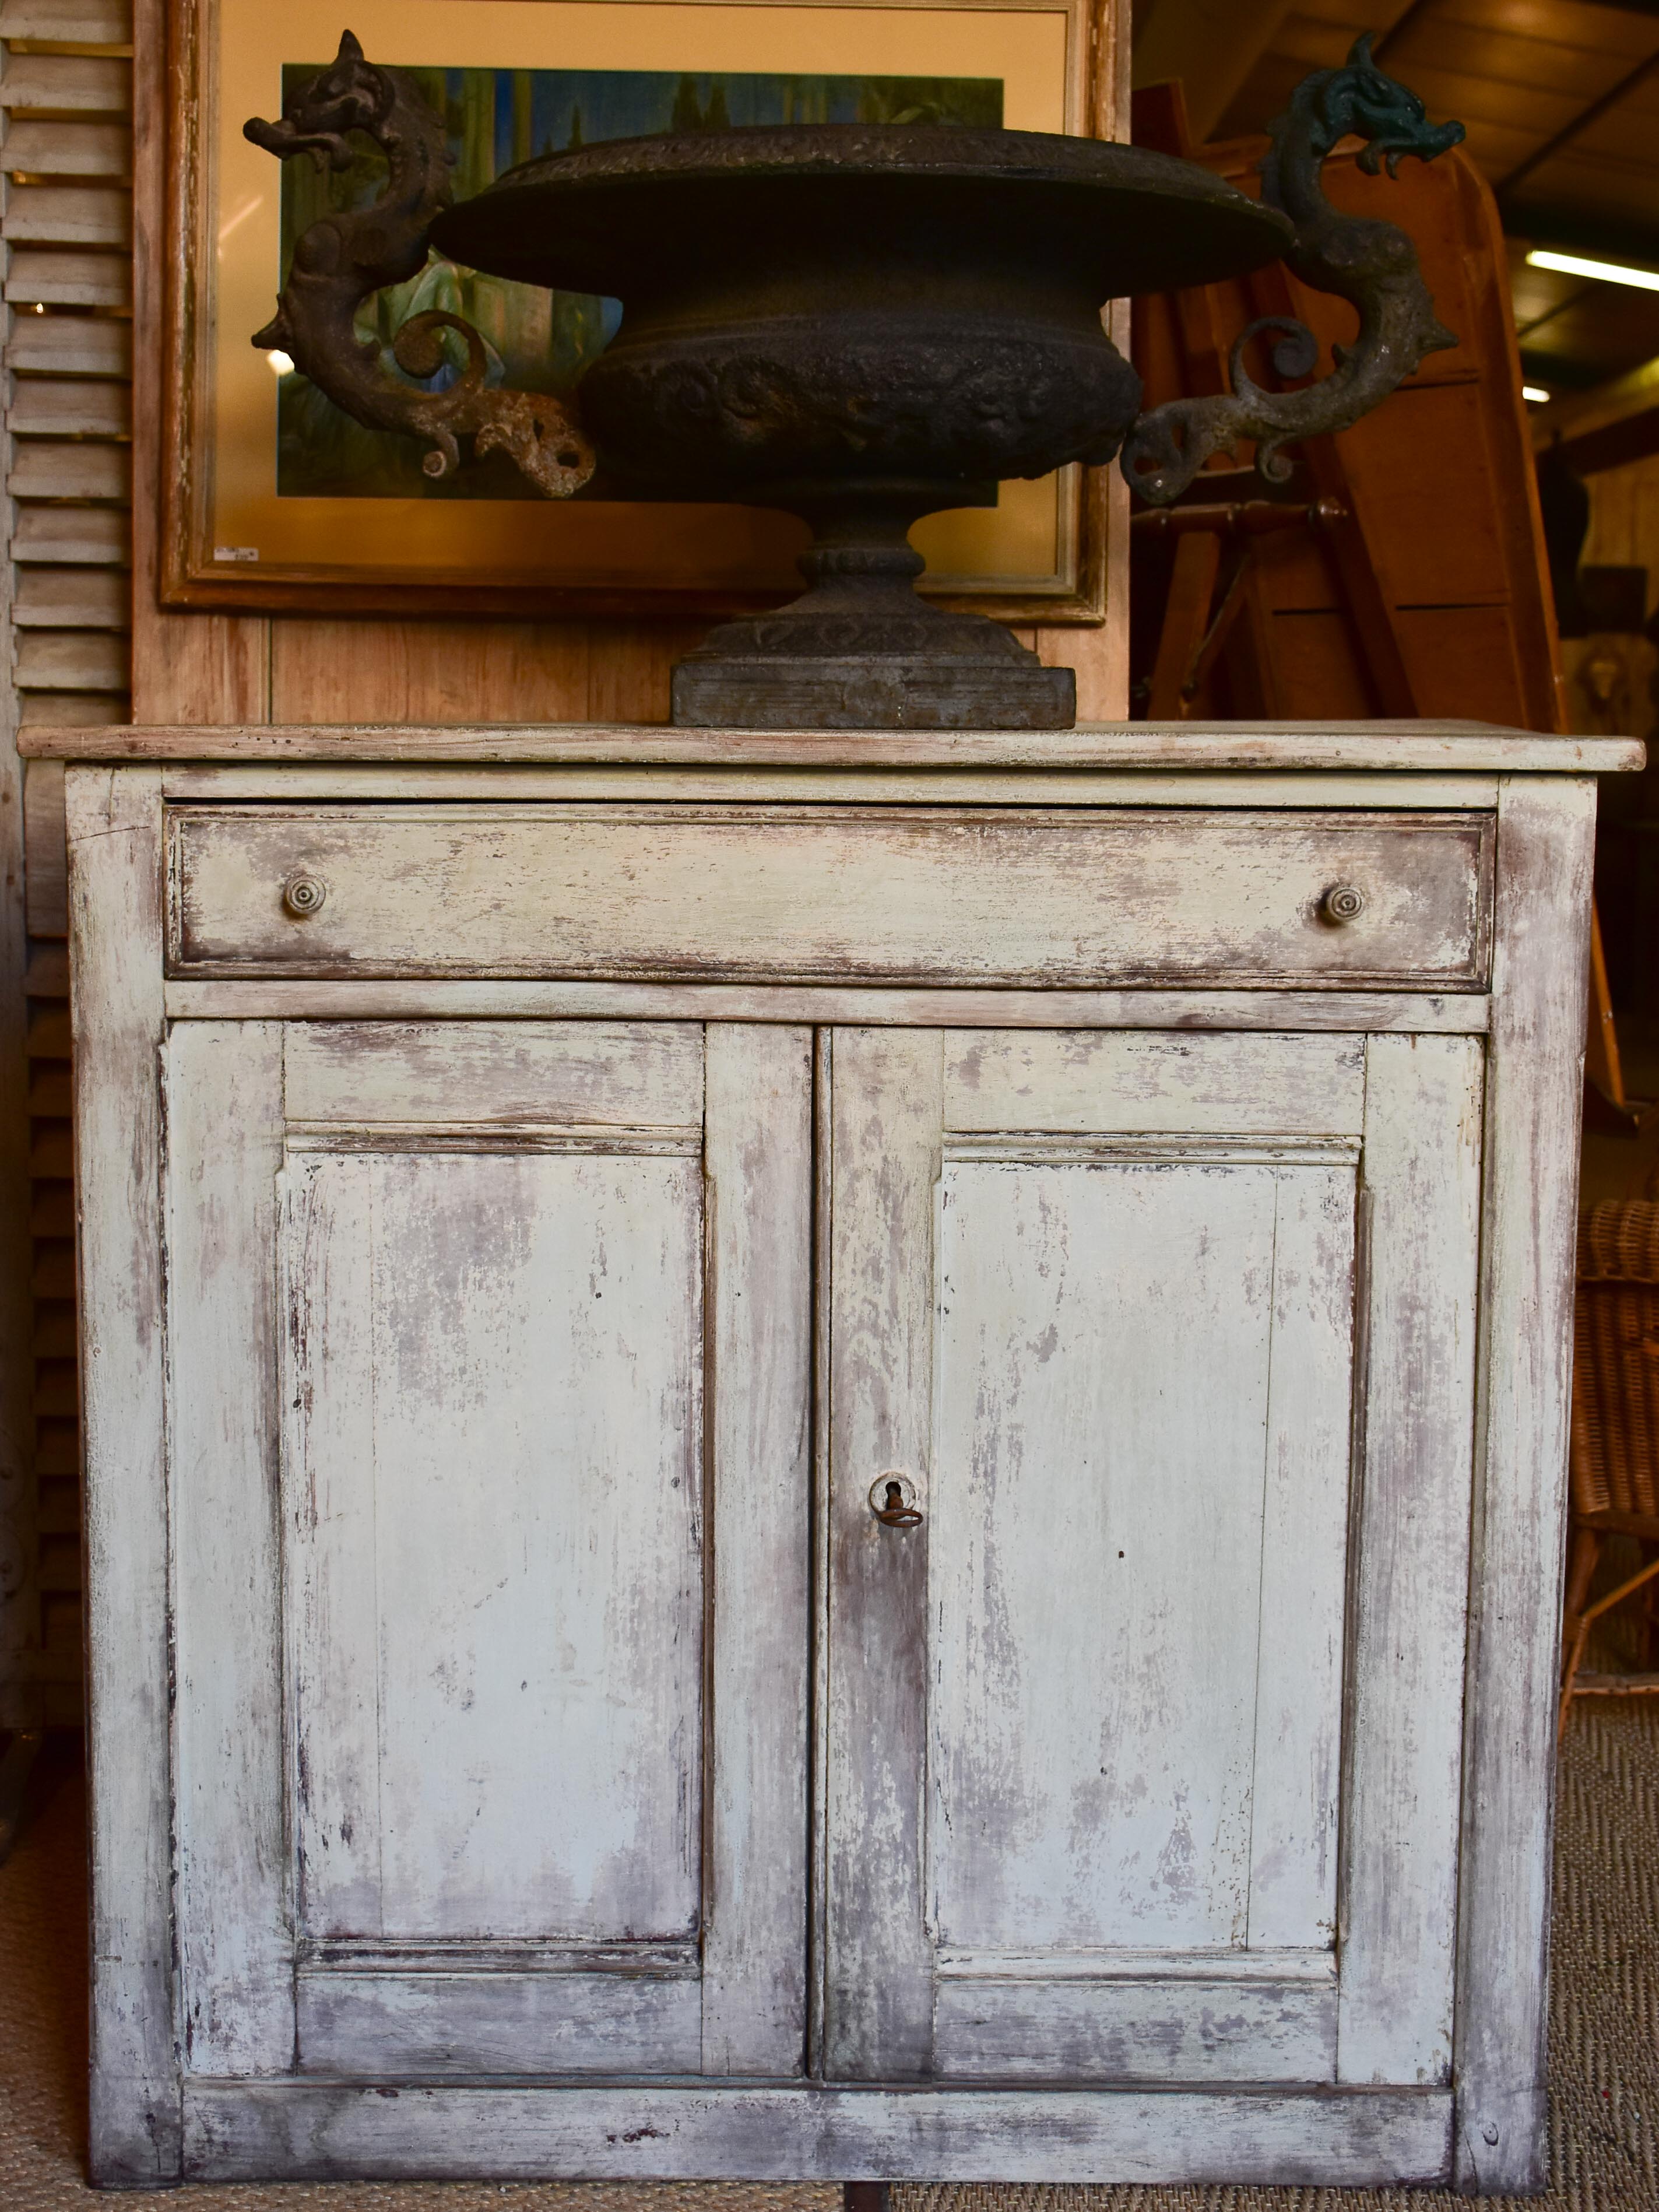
x=1370, y=263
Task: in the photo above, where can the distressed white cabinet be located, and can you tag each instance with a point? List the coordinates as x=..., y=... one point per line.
x=826, y=1459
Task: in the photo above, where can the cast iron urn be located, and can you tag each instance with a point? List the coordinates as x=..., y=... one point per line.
x=859, y=324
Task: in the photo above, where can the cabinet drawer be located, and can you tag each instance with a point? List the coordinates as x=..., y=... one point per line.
x=836, y=895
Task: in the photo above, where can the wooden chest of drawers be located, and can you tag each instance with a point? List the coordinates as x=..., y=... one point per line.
x=825, y=1460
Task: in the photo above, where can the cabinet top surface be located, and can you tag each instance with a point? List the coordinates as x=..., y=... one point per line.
x=1472, y=747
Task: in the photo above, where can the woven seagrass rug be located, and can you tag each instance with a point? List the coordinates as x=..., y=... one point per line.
x=1604, y=2133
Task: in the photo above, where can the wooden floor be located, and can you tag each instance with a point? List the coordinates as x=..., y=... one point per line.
x=1604, y=2036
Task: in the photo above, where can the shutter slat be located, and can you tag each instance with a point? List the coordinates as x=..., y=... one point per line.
x=70, y=472
x=60, y=1563
x=99, y=536
x=68, y=215
x=68, y=149
x=64, y=598
x=73, y=22
x=85, y=408
x=69, y=280
x=73, y=710
x=82, y=83
x=72, y=661
x=58, y=1513
x=45, y=872
x=71, y=345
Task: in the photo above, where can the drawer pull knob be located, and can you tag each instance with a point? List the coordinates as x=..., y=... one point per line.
x=892, y=1500
x=304, y=895
x=1343, y=902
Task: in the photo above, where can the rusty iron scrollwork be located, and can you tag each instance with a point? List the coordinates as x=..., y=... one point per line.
x=1371, y=262
x=344, y=257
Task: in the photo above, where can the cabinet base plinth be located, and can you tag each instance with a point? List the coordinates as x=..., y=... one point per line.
x=324, y=2130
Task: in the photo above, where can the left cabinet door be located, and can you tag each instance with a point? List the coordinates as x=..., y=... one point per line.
x=489, y=1358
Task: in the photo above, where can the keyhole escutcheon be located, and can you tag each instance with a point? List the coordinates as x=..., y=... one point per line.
x=893, y=1501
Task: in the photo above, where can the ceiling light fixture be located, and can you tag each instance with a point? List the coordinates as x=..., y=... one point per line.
x=1534, y=391
x=1608, y=272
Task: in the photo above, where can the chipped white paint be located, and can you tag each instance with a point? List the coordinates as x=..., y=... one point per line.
x=1227, y=1085
x=1096, y=1645
x=864, y=784
x=496, y=2023
x=492, y=1349
x=1533, y=1089
x=327, y=2131
x=511, y=1072
x=1141, y=2030
x=493, y=1516
x=1096, y=1617
x=909, y=896
x=492, y=1266
x=759, y=1161
x=288, y=999
x=1306, y=1501
x=224, y=1103
x=115, y=914
x=1422, y=1181
x=1387, y=748
x=1128, y=1965
x=885, y=1140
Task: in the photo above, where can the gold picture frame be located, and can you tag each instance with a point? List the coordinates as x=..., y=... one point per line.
x=232, y=539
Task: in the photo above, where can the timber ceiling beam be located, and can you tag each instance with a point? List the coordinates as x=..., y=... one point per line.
x=1212, y=45
x=1505, y=188
x=1619, y=422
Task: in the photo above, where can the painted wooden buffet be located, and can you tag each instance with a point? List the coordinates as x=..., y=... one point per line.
x=825, y=1457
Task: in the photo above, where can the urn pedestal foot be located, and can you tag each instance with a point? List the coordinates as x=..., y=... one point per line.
x=858, y=650
x=872, y=691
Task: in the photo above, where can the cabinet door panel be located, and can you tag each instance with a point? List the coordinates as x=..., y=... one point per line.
x=547, y=1074
x=1137, y=2027
x=1106, y=1432
x=499, y=2023
x=525, y=1302
x=1085, y=1724
x=494, y=1491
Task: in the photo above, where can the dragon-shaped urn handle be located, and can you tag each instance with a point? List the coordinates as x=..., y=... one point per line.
x=344, y=258
x=1371, y=262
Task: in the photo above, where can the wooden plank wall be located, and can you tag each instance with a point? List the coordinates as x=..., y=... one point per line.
x=66, y=99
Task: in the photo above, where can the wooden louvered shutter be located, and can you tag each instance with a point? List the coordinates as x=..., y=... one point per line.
x=65, y=102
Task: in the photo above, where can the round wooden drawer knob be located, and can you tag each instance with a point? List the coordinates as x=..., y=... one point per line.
x=304, y=895
x=1343, y=902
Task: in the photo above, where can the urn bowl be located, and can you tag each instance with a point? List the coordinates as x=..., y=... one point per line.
x=812, y=306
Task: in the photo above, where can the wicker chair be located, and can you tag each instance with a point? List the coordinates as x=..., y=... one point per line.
x=1615, y=1462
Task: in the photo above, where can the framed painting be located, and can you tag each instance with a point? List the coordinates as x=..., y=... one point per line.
x=275, y=500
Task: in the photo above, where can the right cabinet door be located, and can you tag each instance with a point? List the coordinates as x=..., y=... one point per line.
x=1141, y=1744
